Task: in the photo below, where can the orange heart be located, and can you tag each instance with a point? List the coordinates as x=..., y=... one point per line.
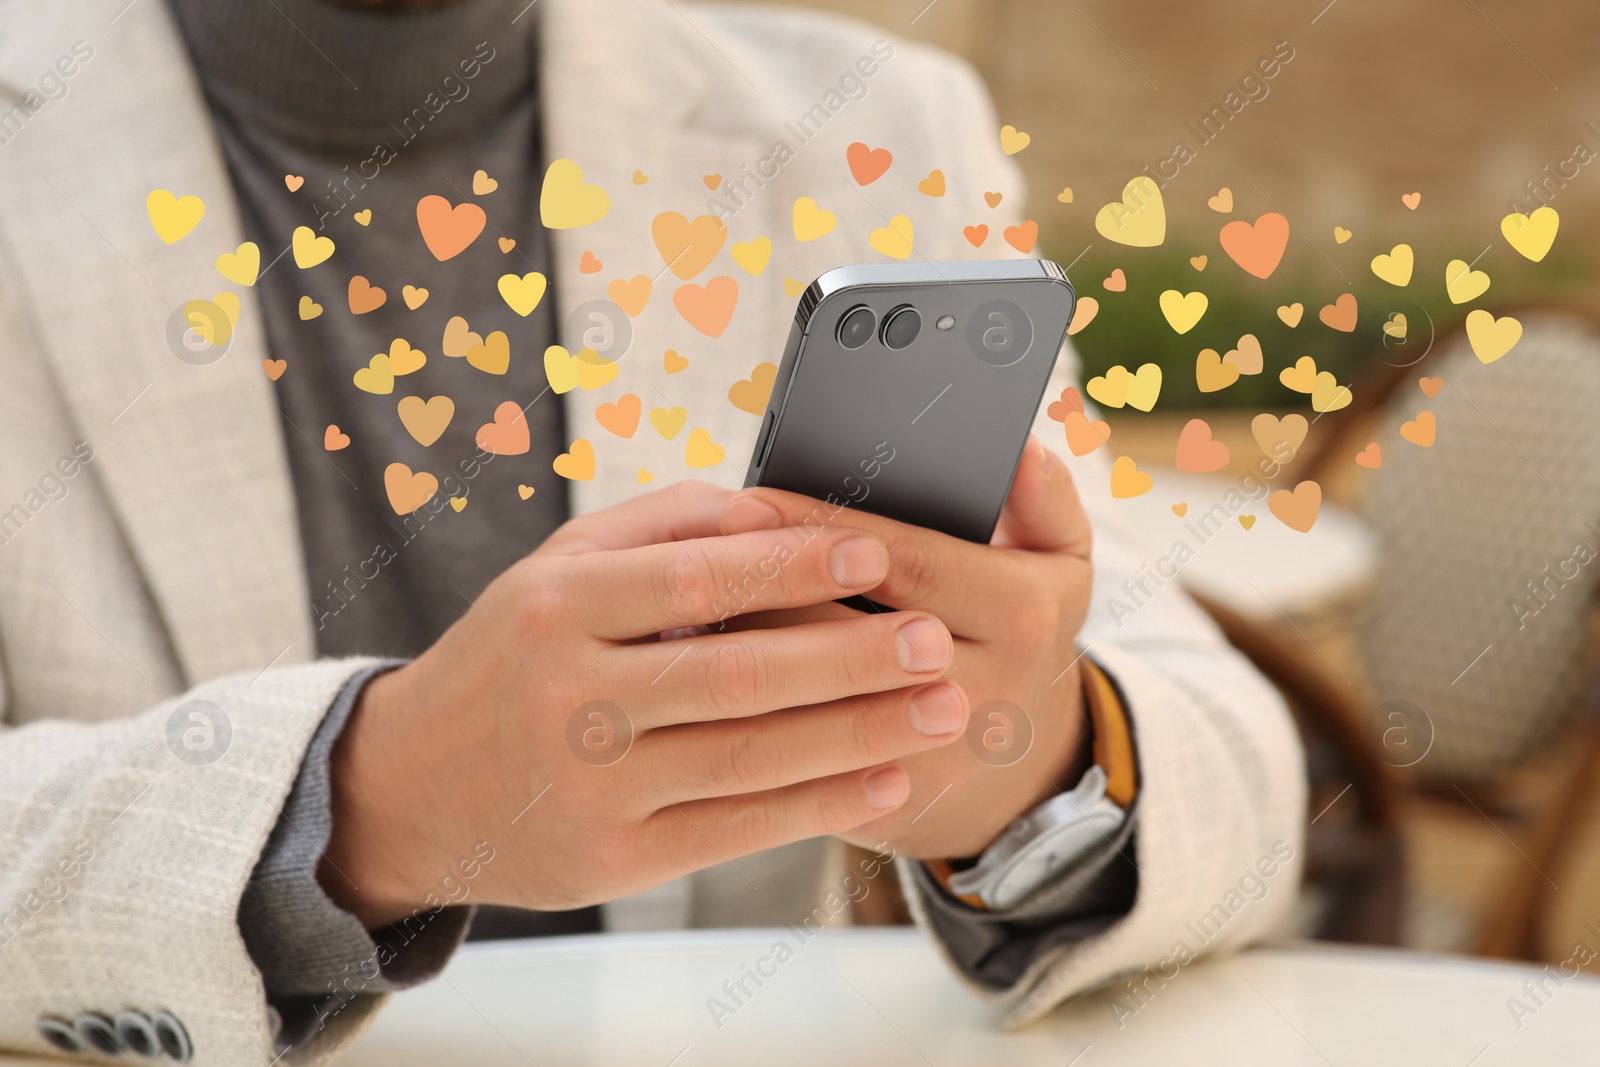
x=1198, y=262
x=631, y=296
x=1023, y=237
x=364, y=296
x=1071, y=400
x=1341, y=314
x=933, y=184
x=1180, y=510
x=1257, y=247
x=867, y=164
x=1431, y=386
x=708, y=308
x=294, y=182
x=446, y=230
x=274, y=368
x=506, y=245
x=1084, y=436
x=622, y=417
x=751, y=394
x=576, y=465
x=1117, y=282
x=993, y=199
x=976, y=235
x=588, y=264
x=712, y=181
x=688, y=247
x=1297, y=509
x=672, y=363
x=1198, y=452
x=1421, y=431
x=508, y=434
x=1411, y=200
x=408, y=491
x=1370, y=457
x=334, y=439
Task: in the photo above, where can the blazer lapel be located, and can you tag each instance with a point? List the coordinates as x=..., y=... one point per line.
x=190, y=456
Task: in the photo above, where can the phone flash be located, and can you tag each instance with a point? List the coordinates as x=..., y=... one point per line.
x=945, y=322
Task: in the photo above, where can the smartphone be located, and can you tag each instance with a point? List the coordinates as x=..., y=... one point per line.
x=908, y=390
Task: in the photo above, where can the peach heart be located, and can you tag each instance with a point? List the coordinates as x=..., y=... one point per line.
x=1297, y=508
x=1198, y=262
x=631, y=295
x=1257, y=247
x=622, y=417
x=867, y=165
x=1370, y=457
x=1088, y=307
x=274, y=368
x=414, y=297
x=1198, y=452
x=524, y=491
x=408, y=491
x=1247, y=357
x=1071, y=400
x=1431, y=386
x=333, y=438
x=588, y=264
x=294, y=182
x=1022, y=237
x=1411, y=200
x=707, y=308
x=1180, y=510
x=458, y=339
x=364, y=296
x=482, y=184
x=933, y=184
x=1290, y=313
x=1341, y=314
x=1117, y=282
x=976, y=235
x=447, y=230
x=1279, y=439
x=1421, y=430
x=1222, y=203
x=1084, y=436
x=686, y=247
x=508, y=434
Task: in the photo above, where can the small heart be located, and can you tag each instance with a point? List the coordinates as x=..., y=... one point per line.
x=672, y=363
x=1212, y=373
x=426, y=420
x=1462, y=283
x=622, y=417
x=1341, y=235
x=1088, y=307
x=639, y=178
x=1180, y=510
x=1117, y=282
x=483, y=185
x=1183, y=310
x=294, y=182
x=1247, y=521
x=274, y=368
x=588, y=264
x=1341, y=314
x=1084, y=436
x=1022, y=237
x=459, y=502
x=933, y=184
x=1071, y=400
x=493, y=355
x=1492, y=338
x=507, y=244
x=645, y=476
x=242, y=266
x=668, y=421
x=523, y=294
x=701, y=451
x=894, y=240
x=524, y=491
x=1198, y=262
x=1411, y=200
x=363, y=217
x=309, y=249
x=793, y=287
x=753, y=256
x=1198, y=452
x=1127, y=480
x=458, y=339
x=712, y=181
x=810, y=220
x=408, y=491
x=1431, y=386
x=1013, y=140
x=333, y=439
x=1370, y=457
x=1247, y=356
x=1222, y=202
x=1297, y=508
x=867, y=165
x=448, y=229
x=1065, y=195
x=993, y=199
x=1279, y=439
x=1421, y=431
x=508, y=434
x=414, y=297
x=631, y=295
x=1395, y=266
x=309, y=309
x=1396, y=326
x=364, y=297
x=976, y=235
x=403, y=359
x=1531, y=235
x=708, y=308
x=1290, y=313
x=751, y=394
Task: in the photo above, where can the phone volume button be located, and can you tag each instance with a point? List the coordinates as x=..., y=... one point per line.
x=766, y=438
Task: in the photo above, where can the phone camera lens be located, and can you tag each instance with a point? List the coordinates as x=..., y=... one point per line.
x=857, y=327
x=901, y=327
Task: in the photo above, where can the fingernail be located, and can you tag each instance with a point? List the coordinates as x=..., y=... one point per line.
x=888, y=788
x=936, y=710
x=923, y=645
x=859, y=563
x=751, y=513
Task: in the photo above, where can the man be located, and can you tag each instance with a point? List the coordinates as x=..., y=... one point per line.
x=277, y=705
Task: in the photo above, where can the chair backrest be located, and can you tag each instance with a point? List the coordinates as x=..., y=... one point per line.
x=1489, y=545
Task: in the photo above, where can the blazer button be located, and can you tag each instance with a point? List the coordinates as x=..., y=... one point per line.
x=173, y=1037
x=137, y=1034
x=60, y=1034
x=98, y=1033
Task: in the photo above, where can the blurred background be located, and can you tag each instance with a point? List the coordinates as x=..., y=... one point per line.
x=1460, y=809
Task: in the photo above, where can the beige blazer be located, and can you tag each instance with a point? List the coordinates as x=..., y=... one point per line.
x=166, y=568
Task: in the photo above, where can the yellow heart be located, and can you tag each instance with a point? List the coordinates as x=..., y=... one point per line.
x=1396, y=326
x=377, y=378
x=672, y=363
x=1341, y=235
x=576, y=464
x=241, y=267
x=1138, y=219
x=524, y=491
x=482, y=184
x=1302, y=377
x=1222, y=202
x=668, y=421
x=645, y=476
x=414, y=297
x=893, y=240
x=753, y=255
x=1463, y=283
x=1065, y=195
x=585, y=370
x=701, y=451
x=1531, y=235
x=1180, y=510
x=408, y=491
x=309, y=309
x=403, y=359
x=1279, y=439
x=1183, y=310
x=523, y=294
x=640, y=177
x=1145, y=387
x=173, y=217
x=458, y=502
x=1395, y=267
x=458, y=339
x=309, y=249
x=363, y=217
x=1290, y=313
x=1013, y=140
x=506, y=245
x=1127, y=480
x=1492, y=338
x=213, y=320
x=426, y=420
x=1328, y=395
x=1211, y=373
x=793, y=287
x=565, y=202
x=811, y=221
x=1247, y=521
x=493, y=356
x=1111, y=389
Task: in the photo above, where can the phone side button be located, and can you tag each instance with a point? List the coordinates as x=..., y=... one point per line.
x=766, y=438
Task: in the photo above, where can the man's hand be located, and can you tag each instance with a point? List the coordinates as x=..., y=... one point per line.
x=1015, y=607
x=740, y=741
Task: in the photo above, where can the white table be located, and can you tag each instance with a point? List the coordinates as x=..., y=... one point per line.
x=880, y=997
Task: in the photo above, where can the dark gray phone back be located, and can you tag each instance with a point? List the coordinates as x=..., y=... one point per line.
x=930, y=434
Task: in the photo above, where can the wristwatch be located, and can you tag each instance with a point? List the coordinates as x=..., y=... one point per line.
x=1046, y=841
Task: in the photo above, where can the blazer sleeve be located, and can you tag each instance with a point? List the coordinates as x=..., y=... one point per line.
x=125, y=848
x=1218, y=847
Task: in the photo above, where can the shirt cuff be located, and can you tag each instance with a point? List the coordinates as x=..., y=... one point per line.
x=313, y=955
